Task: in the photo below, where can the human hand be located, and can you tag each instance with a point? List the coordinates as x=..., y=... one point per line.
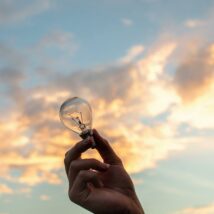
x=102, y=188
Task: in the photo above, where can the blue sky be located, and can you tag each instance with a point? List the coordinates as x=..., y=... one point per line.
x=146, y=63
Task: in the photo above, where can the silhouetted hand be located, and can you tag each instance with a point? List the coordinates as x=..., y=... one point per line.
x=102, y=188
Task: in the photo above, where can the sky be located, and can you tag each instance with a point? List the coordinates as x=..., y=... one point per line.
x=147, y=69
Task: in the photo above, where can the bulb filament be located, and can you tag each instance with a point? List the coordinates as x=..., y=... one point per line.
x=77, y=120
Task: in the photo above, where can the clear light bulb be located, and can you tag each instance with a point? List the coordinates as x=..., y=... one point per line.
x=76, y=114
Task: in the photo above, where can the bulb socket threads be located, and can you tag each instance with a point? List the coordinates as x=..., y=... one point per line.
x=88, y=133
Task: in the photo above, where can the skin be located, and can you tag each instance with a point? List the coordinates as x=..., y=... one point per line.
x=100, y=187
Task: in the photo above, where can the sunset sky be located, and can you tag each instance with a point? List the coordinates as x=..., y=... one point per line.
x=146, y=67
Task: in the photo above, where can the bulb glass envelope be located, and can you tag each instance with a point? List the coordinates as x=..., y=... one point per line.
x=76, y=114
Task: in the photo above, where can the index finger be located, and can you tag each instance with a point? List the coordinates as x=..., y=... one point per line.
x=105, y=150
x=76, y=151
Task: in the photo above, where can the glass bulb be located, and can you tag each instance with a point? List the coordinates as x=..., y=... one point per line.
x=76, y=114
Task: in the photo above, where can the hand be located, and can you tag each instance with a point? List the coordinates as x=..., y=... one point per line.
x=102, y=188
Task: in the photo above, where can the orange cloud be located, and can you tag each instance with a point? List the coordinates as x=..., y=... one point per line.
x=135, y=106
x=208, y=209
x=194, y=76
x=194, y=82
x=193, y=23
x=5, y=189
x=44, y=197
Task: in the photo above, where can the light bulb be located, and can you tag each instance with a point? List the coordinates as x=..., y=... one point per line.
x=76, y=114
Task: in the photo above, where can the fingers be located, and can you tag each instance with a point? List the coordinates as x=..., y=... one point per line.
x=105, y=150
x=84, y=164
x=80, y=191
x=76, y=151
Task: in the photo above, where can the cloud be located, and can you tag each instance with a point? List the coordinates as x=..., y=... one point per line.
x=36, y=165
x=198, y=114
x=5, y=189
x=31, y=64
x=138, y=106
x=44, y=197
x=207, y=209
x=9, y=55
x=52, y=53
x=60, y=40
x=13, y=11
x=24, y=190
x=193, y=23
x=194, y=82
x=132, y=54
x=39, y=140
x=11, y=76
x=127, y=22
x=195, y=74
